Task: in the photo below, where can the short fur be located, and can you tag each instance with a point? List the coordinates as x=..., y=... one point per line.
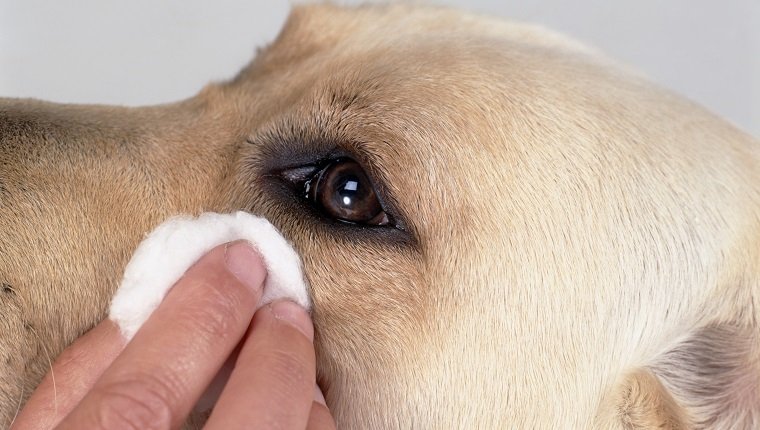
x=582, y=247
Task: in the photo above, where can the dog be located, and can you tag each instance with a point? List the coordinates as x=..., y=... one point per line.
x=535, y=236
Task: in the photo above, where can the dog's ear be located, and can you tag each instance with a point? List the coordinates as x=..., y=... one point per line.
x=710, y=379
x=640, y=401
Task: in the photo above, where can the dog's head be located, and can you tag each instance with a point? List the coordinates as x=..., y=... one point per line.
x=499, y=227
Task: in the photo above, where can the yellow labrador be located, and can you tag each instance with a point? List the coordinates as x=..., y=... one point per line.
x=501, y=228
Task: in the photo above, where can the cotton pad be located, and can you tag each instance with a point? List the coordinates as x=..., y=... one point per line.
x=167, y=252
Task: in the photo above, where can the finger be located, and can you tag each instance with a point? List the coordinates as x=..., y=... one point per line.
x=275, y=374
x=71, y=377
x=163, y=371
x=320, y=417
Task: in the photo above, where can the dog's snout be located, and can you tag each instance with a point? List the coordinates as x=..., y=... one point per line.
x=15, y=122
x=30, y=129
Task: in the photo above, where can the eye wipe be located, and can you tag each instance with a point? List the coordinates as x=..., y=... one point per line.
x=170, y=249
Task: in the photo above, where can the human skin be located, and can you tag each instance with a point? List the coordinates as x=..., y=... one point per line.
x=155, y=380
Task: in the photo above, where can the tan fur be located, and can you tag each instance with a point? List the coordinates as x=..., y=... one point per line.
x=579, y=239
x=641, y=402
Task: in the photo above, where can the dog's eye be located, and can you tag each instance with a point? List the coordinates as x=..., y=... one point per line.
x=344, y=192
x=341, y=190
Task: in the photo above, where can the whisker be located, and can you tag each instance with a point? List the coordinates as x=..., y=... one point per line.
x=52, y=376
x=52, y=373
x=18, y=406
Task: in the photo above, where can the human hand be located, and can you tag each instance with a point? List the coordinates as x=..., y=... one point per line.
x=154, y=381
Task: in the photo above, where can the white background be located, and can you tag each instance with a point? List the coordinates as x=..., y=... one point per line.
x=150, y=51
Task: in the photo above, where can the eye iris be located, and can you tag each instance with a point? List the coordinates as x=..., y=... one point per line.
x=344, y=191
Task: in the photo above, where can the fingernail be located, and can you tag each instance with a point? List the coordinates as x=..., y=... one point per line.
x=294, y=315
x=245, y=264
x=318, y=396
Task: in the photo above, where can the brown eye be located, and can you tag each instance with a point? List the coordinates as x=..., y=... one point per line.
x=343, y=191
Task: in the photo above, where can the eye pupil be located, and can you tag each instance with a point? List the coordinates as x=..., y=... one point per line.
x=348, y=192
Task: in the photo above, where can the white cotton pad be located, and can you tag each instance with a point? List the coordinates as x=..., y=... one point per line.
x=167, y=252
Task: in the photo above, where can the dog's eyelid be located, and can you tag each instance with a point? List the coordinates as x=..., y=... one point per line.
x=295, y=156
x=298, y=174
